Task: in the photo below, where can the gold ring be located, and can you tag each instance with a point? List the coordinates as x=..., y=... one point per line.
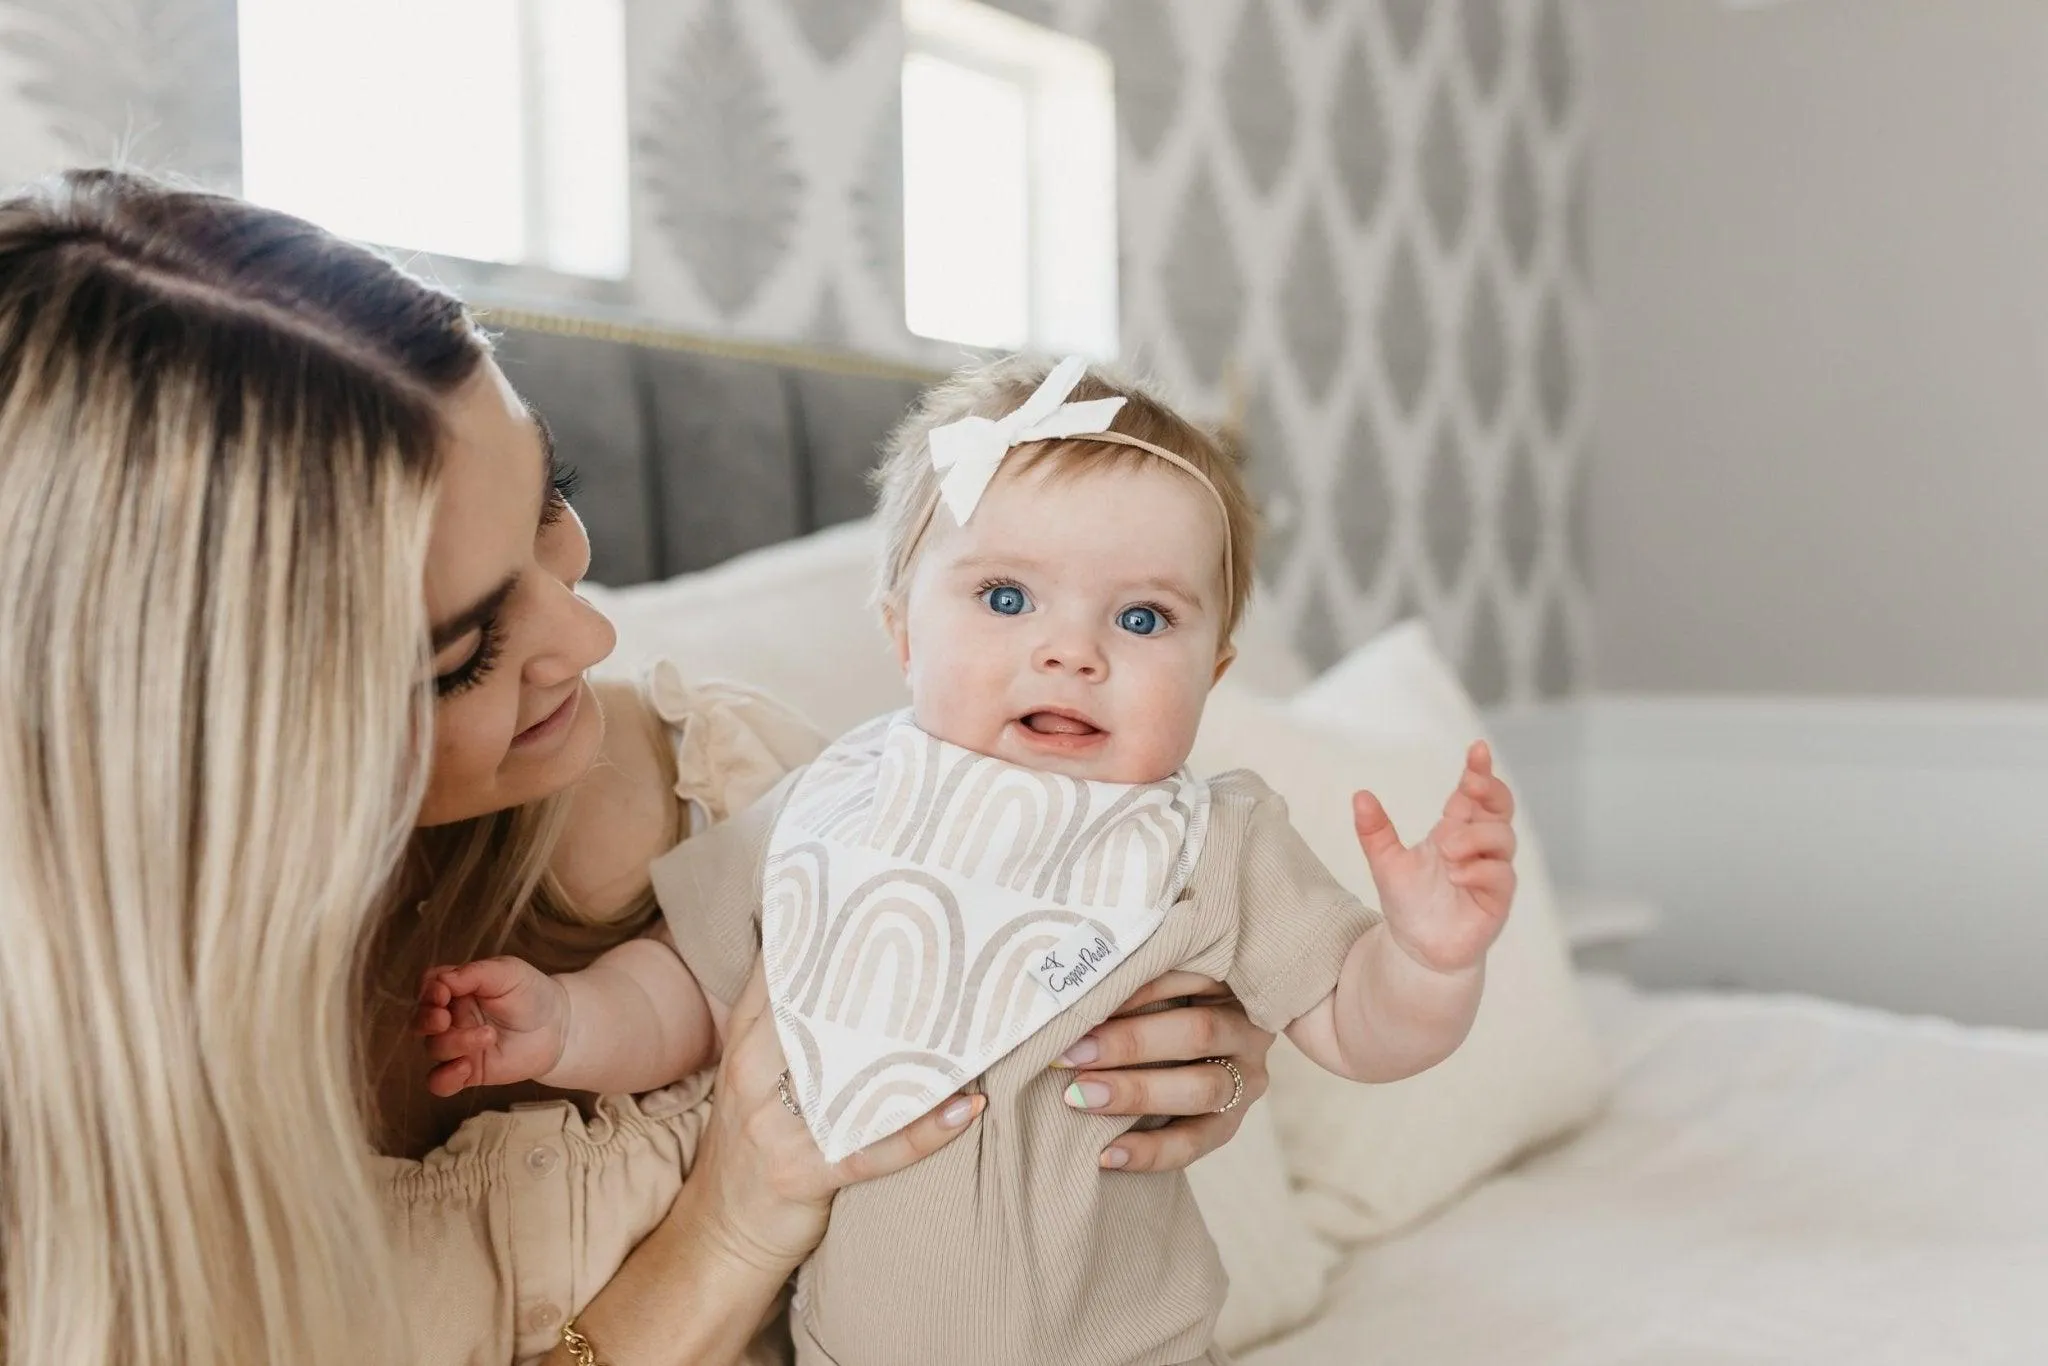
x=789, y=1101
x=1236, y=1083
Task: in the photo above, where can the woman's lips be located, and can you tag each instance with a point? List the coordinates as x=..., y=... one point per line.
x=553, y=723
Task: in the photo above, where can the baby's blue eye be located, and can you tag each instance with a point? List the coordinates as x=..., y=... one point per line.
x=1141, y=621
x=1006, y=599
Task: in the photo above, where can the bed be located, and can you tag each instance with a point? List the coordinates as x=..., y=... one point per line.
x=1773, y=1179
x=1603, y=1175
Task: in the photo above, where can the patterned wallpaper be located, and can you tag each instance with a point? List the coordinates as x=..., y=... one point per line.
x=82, y=80
x=1360, y=224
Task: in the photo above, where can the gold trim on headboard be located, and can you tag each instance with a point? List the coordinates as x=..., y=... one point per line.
x=667, y=339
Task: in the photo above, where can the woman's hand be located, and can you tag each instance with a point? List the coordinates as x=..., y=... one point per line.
x=1123, y=1076
x=753, y=1206
x=765, y=1185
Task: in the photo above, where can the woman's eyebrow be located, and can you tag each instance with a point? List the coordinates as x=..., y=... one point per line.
x=475, y=615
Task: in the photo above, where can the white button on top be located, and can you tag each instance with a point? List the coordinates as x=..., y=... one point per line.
x=542, y=1318
x=541, y=1159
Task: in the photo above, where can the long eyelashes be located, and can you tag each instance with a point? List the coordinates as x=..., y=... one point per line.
x=472, y=671
x=1166, y=614
x=563, y=483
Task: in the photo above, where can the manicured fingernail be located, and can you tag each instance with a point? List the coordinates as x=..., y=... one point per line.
x=1084, y=1051
x=1086, y=1095
x=957, y=1114
x=1115, y=1157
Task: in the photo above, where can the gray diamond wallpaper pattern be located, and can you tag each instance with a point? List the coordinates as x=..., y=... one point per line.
x=82, y=80
x=1356, y=228
x=715, y=163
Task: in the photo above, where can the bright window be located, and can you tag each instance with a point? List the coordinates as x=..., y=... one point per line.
x=1009, y=182
x=487, y=129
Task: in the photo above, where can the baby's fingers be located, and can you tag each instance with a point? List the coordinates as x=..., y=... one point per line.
x=1490, y=883
x=460, y=1043
x=1482, y=786
x=487, y=977
x=432, y=1019
x=450, y=1077
x=433, y=989
x=1375, y=829
x=1477, y=798
x=1478, y=839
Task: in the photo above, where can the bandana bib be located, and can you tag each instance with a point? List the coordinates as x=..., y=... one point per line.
x=925, y=909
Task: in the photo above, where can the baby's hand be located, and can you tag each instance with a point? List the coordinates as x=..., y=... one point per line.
x=1446, y=898
x=491, y=1023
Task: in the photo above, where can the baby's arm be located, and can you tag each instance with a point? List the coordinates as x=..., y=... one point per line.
x=633, y=1020
x=1410, y=985
x=1389, y=1016
x=636, y=1020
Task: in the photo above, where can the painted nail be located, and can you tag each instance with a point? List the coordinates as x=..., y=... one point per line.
x=957, y=1114
x=1086, y=1095
x=1084, y=1051
x=1115, y=1157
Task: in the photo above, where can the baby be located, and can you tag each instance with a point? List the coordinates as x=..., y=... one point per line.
x=953, y=896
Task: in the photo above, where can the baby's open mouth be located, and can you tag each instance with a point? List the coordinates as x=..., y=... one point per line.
x=1057, y=723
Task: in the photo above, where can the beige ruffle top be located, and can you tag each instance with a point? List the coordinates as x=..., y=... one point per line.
x=519, y=1220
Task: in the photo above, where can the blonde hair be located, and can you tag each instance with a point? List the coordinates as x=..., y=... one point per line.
x=218, y=436
x=907, y=487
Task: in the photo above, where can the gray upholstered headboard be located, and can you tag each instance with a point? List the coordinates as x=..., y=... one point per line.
x=692, y=451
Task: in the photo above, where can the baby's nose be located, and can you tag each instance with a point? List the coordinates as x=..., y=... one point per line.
x=1074, y=653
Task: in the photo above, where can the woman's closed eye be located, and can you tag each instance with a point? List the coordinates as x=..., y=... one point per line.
x=490, y=639
x=562, y=482
x=1004, y=598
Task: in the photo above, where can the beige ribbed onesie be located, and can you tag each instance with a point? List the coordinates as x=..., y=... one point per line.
x=1012, y=1247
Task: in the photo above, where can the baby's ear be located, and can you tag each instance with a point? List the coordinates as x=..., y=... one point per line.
x=899, y=634
x=1225, y=657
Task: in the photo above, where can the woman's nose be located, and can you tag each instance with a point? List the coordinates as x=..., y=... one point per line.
x=578, y=637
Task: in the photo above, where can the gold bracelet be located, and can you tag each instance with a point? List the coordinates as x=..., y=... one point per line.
x=579, y=1346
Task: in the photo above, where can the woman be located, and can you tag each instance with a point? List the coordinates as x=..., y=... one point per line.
x=274, y=530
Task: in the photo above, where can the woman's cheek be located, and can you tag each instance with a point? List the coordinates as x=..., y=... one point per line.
x=473, y=733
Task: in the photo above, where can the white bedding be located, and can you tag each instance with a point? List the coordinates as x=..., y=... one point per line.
x=1776, y=1180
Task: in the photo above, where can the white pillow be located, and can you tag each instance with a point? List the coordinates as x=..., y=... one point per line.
x=1398, y=683
x=1371, y=1159
x=794, y=620
x=1276, y=1263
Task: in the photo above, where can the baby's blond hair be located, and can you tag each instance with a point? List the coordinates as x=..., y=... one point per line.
x=907, y=487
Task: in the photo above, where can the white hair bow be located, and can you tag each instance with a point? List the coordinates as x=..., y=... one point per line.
x=967, y=453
